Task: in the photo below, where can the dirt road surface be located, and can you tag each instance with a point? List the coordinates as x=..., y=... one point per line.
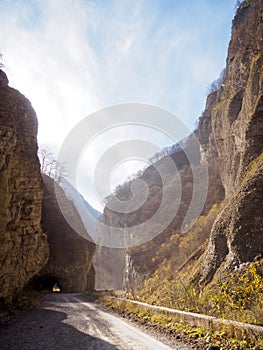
x=67, y=322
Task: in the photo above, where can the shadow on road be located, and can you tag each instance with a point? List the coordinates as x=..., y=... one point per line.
x=47, y=329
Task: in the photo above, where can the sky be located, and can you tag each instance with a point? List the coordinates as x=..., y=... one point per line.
x=71, y=58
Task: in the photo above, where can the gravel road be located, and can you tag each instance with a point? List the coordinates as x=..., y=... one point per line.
x=66, y=322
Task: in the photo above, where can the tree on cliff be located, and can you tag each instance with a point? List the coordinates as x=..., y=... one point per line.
x=238, y=3
x=216, y=84
x=1, y=59
x=49, y=164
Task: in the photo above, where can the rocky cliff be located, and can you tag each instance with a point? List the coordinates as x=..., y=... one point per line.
x=109, y=264
x=70, y=260
x=230, y=133
x=23, y=246
x=235, y=115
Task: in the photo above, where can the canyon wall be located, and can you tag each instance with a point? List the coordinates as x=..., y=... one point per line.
x=36, y=242
x=23, y=245
x=235, y=113
x=70, y=260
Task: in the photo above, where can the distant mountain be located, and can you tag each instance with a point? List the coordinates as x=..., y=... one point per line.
x=88, y=214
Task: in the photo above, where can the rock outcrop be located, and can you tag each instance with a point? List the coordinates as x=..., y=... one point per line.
x=236, y=119
x=70, y=260
x=23, y=246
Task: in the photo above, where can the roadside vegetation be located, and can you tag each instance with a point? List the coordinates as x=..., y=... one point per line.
x=235, y=296
x=238, y=296
x=174, y=283
x=199, y=337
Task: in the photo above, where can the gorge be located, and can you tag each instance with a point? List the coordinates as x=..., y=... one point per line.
x=38, y=246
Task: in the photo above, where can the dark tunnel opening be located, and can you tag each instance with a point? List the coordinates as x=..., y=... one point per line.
x=46, y=282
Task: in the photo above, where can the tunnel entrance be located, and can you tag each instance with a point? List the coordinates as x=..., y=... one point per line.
x=46, y=282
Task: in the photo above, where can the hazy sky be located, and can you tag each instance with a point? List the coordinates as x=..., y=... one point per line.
x=73, y=57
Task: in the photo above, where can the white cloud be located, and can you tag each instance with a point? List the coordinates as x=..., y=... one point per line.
x=71, y=57
x=53, y=65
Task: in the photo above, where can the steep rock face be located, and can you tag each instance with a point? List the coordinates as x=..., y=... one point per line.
x=71, y=255
x=237, y=233
x=109, y=264
x=236, y=117
x=23, y=246
x=237, y=113
x=205, y=135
